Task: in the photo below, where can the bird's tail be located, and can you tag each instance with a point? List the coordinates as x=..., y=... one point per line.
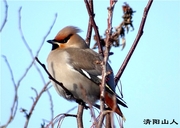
x=112, y=104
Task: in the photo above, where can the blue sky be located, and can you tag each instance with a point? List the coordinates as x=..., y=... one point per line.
x=150, y=80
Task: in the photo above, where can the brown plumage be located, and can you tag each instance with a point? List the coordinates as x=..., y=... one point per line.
x=75, y=65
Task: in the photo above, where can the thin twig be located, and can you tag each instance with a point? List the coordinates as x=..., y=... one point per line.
x=15, y=101
x=57, y=117
x=21, y=32
x=5, y=17
x=106, y=56
x=79, y=116
x=62, y=118
x=35, y=102
x=139, y=34
x=31, y=53
x=50, y=77
x=47, y=90
x=27, y=46
x=93, y=116
x=48, y=32
x=89, y=31
x=51, y=106
x=91, y=16
x=80, y=112
x=24, y=74
x=35, y=91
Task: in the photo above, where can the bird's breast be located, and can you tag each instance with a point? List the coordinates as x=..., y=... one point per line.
x=80, y=86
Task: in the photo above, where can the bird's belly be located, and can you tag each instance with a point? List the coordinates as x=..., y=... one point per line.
x=81, y=87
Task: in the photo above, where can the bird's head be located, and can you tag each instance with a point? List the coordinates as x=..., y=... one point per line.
x=68, y=38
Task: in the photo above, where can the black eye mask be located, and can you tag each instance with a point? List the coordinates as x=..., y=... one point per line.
x=63, y=40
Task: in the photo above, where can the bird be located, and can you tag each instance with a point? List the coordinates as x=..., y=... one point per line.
x=79, y=69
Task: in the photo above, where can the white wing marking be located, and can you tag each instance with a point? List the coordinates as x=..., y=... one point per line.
x=86, y=73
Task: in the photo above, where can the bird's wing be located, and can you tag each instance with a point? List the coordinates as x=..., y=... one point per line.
x=89, y=64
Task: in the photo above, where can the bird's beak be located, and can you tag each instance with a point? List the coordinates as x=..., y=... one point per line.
x=54, y=44
x=51, y=41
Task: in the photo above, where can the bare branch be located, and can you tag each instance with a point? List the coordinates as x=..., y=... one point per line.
x=140, y=32
x=10, y=69
x=108, y=42
x=108, y=121
x=29, y=49
x=6, y=15
x=60, y=117
x=79, y=116
x=31, y=53
x=35, y=91
x=91, y=16
x=21, y=33
x=15, y=101
x=106, y=56
x=89, y=31
x=61, y=84
x=65, y=115
x=50, y=77
x=27, y=46
x=34, y=104
x=25, y=73
x=48, y=32
x=51, y=106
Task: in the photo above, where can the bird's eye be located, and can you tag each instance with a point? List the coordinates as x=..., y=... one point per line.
x=65, y=39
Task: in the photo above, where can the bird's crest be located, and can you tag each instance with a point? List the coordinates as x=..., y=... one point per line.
x=65, y=32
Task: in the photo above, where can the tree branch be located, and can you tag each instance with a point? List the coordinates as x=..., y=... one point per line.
x=50, y=77
x=27, y=46
x=140, y=32
x=106, y=56
x=60, y=117
x=15, y=101
x=108, y=121
x=32, y=56
x=22, y=36
x=16, y=85
x=91, y=16
x=34, y=104
x=89, y=31
x=79, y=116
x=51, y=106
x=6, y=15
